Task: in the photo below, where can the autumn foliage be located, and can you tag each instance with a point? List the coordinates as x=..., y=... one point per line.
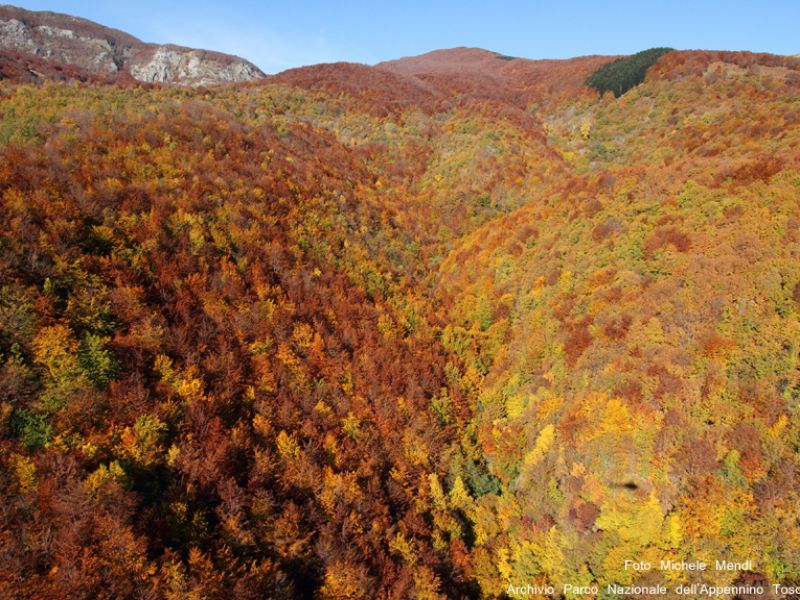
x=392, y=332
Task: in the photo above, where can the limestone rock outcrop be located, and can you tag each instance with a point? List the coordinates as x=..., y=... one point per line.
x=106, y=52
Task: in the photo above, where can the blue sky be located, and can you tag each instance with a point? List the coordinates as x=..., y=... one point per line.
x=290, y=33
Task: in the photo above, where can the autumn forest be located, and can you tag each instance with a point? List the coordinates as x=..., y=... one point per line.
x=430, y=329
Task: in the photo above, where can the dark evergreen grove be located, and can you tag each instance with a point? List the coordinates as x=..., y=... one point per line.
x=624, y=73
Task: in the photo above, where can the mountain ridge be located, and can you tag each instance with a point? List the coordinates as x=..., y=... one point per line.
x=104, y=51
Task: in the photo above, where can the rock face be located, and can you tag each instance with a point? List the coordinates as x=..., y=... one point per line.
x=107, y=52
x=195, y=67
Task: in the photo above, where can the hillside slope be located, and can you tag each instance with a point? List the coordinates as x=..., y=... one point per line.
x=634, y=330
x=429, y=329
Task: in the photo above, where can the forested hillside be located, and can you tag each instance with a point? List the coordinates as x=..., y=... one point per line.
x=422, y=330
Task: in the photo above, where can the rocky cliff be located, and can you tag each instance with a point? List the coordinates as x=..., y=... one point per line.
x=107, y=52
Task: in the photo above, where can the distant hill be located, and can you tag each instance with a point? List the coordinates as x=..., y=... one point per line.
x=447, y=78
x=104, y=52
x=484, y=74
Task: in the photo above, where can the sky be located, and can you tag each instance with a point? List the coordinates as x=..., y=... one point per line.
x=291, y=33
